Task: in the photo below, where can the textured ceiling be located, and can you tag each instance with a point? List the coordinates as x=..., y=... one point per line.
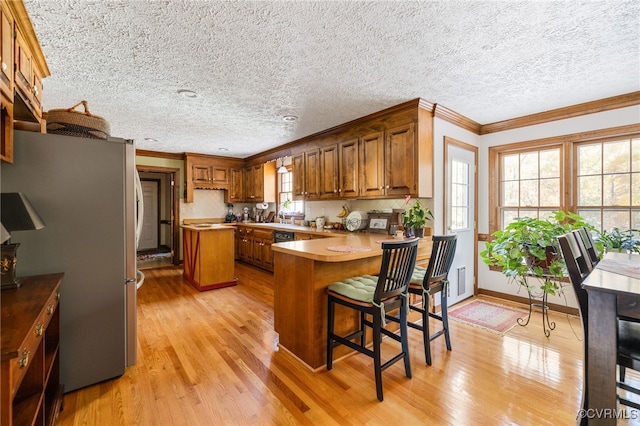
x=326, y=62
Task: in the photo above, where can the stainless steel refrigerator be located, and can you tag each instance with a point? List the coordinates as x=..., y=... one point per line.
x=84, y=190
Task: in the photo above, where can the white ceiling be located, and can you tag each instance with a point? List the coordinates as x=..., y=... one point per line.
x=327, y=62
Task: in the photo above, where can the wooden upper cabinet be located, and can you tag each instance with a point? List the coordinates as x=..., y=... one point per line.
x=306, y=175
x=348, y=161
x=236, y=186
x=208, y=172
x=6, y=53
x=297, y=162
x=329, y=182
x=312, y=174
x=372, y=165
x=22, y=68
x=401, y=161
x=260, y=183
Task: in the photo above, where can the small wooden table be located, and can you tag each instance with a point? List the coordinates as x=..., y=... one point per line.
x=613, y=287
x=208, y=256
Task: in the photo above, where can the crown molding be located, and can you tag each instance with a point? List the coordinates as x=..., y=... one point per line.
x=455, y=118
x=158, y=154
x=607, y=104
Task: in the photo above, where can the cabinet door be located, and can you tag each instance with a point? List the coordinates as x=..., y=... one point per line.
x=6, y=53
x=36, y=87
x=267, y=254
x=236, y=189
x=298, y=176
x=348, y=168
x=258, y=183
x=312, y=174
x=23, y=66
x=220, y=175
x=6, y=130
x=329, y=172
x=401, y=160
x=372, y=165
x=201, y=174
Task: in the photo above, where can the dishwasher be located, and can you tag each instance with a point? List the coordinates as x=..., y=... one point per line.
x=283, y=236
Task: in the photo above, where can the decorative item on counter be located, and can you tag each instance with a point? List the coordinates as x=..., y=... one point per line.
x=344, y=212
x=415, y=218
x=356, y=221
x=320, y=222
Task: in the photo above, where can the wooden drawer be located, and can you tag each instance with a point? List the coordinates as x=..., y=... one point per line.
x=261, y=233
x=27, y=352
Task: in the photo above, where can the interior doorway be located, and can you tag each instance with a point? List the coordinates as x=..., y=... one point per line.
x=160, y=239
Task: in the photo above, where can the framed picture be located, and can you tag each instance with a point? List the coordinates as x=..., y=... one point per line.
x=379, y=223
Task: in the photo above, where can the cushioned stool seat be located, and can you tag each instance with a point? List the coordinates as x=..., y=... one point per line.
x=371, y=296
x=359, y=288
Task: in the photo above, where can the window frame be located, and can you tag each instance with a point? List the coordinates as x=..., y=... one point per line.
x=568, y=164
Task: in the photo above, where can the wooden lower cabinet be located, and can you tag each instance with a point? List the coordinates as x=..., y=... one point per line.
x=254, y=246
x=31, y=393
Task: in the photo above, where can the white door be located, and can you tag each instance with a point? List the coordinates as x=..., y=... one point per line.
x=461, y=216
x=149, y=237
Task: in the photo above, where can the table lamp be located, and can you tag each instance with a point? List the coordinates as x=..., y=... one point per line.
x=17, y=214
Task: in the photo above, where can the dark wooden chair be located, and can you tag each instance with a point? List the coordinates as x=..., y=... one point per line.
x=589, y=245
x=372, y=296
x=578, y=264
x=427, y=282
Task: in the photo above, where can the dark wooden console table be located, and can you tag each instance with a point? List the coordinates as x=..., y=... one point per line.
x=31, y=392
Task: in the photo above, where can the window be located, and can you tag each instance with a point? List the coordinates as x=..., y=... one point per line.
x=595, y=174
x=530, y=183
x=608, y=183
x=285, y=193
x=460, y=197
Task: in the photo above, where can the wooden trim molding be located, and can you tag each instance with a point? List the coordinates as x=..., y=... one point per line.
x=158, y=154
x=614, y=102
x=525, y=300
x=458, y=119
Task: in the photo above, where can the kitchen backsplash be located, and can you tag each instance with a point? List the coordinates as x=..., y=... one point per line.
x=211, y=204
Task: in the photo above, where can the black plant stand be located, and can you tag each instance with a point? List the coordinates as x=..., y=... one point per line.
x=539, y=302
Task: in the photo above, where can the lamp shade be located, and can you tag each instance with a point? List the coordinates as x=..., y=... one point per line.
x=18, y=214
x=4, y=234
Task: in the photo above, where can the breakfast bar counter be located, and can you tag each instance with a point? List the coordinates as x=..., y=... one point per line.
x=302, y=272
x=208, y=255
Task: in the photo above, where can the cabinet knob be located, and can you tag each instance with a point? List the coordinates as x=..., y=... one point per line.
x=381, y=188
x=50, y=309
x=387, y=187
x=58, y=296
x=23, y=361
x=4, y=66
x=39, y=330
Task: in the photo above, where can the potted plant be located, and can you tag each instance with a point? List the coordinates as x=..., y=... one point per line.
x=617, y=240
x=415, y=218
x=528, y=247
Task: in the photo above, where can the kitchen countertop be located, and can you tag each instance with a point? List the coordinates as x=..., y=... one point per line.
x=204, y=226
x=345, y=247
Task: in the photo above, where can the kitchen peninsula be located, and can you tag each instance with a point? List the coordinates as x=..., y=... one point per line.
x=302, y=272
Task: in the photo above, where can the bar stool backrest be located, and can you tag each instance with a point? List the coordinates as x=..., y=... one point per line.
x=398, y=261
x=444, y=249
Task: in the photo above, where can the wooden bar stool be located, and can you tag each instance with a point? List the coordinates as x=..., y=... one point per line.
x=428, y=281
x=373, y=296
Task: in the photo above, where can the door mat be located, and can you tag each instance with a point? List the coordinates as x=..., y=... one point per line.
x=490, y=316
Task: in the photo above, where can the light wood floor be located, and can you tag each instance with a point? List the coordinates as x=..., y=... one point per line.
x=212, y=358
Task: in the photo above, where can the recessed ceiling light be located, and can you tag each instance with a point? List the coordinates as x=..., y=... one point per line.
x=223, y=149
x=151, y=140
x=187, y=93
x=289, y=118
